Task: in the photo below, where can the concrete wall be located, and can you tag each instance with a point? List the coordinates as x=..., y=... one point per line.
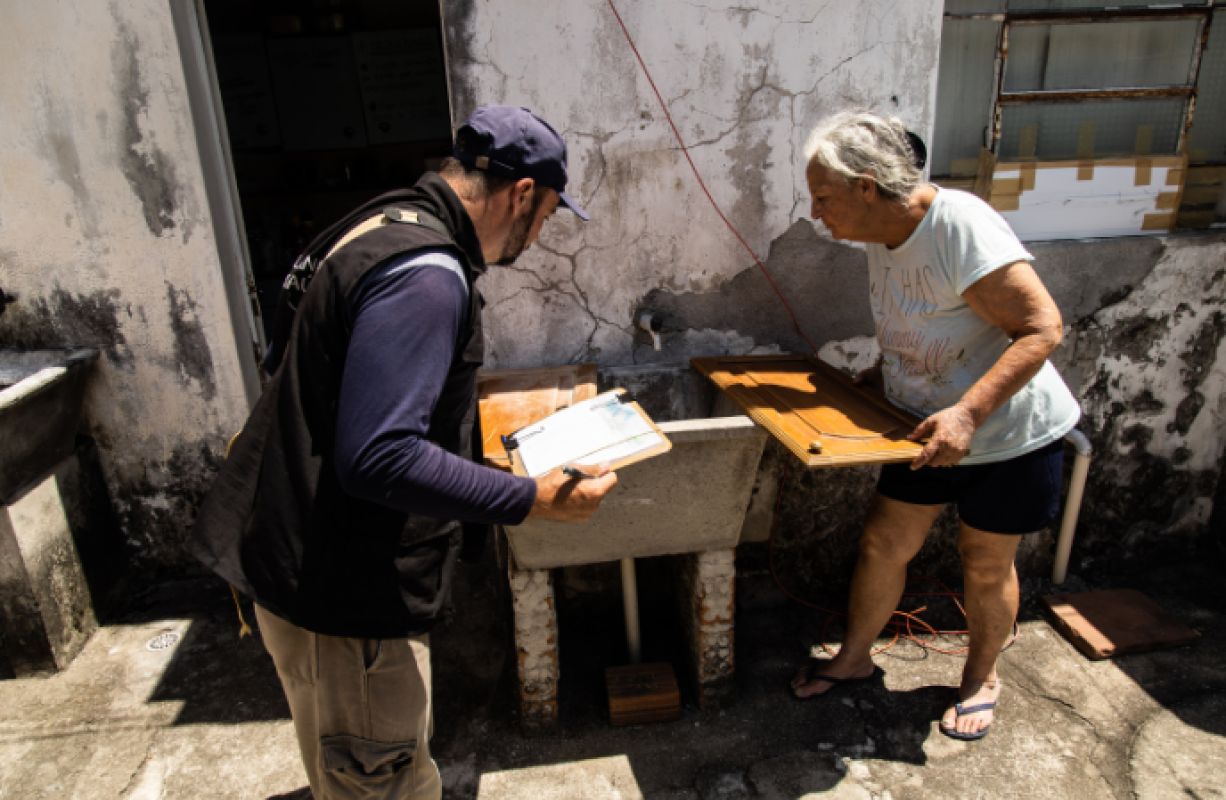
x=1145, y=319
x=744, y=85
x=106, y=240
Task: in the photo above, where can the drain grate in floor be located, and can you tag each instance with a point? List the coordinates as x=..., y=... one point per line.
x=163, y=641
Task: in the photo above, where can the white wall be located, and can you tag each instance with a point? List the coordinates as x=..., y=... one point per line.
x=106, y=240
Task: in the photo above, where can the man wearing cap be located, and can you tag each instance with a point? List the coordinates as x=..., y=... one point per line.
x=339, y=509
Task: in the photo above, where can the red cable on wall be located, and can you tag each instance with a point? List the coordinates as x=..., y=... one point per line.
x=902, y=629
x=686, y=152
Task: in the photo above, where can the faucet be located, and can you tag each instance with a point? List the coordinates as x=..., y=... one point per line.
x=650, y=323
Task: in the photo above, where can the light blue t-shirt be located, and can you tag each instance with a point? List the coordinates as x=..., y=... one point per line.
x=934, y=346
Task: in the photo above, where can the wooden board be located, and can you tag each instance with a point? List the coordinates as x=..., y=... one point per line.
x=815, y=410
x=512, y=398
x=642, y=693
x=1111, y=622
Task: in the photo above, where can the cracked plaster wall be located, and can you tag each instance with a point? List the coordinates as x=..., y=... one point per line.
x=106, y=241
x=1144, y=315
x=745, y=85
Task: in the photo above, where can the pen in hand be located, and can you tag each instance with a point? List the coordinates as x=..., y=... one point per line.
x=575, y=472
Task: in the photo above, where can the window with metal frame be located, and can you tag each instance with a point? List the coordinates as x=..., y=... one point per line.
x=1062, y=80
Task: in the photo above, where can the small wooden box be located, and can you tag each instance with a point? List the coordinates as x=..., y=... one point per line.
x=642, y=693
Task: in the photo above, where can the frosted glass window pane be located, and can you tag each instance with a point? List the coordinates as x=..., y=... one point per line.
x=1100, y=55
x=1207, y=141
x=964, y=95
x=1056, y=128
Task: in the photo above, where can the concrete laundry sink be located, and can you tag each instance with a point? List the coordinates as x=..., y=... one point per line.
x=690, y=499
x=46, y=611
x=41, y=393
x=690, y=503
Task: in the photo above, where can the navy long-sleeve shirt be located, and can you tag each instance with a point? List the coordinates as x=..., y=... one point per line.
x=407, y=316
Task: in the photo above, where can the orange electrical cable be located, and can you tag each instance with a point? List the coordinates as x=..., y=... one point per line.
x=685, y=151
x=902, y=624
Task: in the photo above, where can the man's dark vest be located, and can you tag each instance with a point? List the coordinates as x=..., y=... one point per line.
x=277, y=524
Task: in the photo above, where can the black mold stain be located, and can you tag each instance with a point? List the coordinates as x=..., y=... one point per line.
x=191, y=346
x=148, y=170
x=1186, y=412
x=69, y=320
x=1199, y=356
x=748, y=174
x=1139, y=435
x=61, y=148
x=1117, y=295
x=1202, y=350
x=156, y=513
x=1148, y=497
x=826, y=284
x=1146, y=403
x=1135, y=336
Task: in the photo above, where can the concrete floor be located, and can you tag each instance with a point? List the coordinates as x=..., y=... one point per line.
x=204, y=717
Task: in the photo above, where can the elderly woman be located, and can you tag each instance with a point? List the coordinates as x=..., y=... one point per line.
x=965, y=328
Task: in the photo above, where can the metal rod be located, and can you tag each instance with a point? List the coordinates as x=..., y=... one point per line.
x=1002, y=56
x=630, y=604
x=1078, y=95
x=1202, y=40
x=1083, y=15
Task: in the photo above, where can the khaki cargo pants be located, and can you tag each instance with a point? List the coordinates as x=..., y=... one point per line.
x=361, y=709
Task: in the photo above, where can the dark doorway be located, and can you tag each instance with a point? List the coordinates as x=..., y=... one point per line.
x=327, y=103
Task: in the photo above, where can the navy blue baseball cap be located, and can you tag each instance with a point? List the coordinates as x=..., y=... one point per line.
x=515, y=143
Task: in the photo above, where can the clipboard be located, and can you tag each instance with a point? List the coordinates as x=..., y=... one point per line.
x=610, y=428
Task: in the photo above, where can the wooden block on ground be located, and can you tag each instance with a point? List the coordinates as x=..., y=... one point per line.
x=1111, y=622
x=642, y=693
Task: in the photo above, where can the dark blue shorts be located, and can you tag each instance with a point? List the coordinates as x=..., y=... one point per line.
x=1021, y=495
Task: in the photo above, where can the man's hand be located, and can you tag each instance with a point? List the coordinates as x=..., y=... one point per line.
x=949, y=433
x=571, y=499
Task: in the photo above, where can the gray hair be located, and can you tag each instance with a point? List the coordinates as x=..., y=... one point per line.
x=858, y=144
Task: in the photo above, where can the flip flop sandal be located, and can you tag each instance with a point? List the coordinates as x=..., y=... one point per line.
x=835, y=683
x=961, y=710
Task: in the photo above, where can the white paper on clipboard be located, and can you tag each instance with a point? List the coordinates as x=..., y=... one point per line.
x=606, y=429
